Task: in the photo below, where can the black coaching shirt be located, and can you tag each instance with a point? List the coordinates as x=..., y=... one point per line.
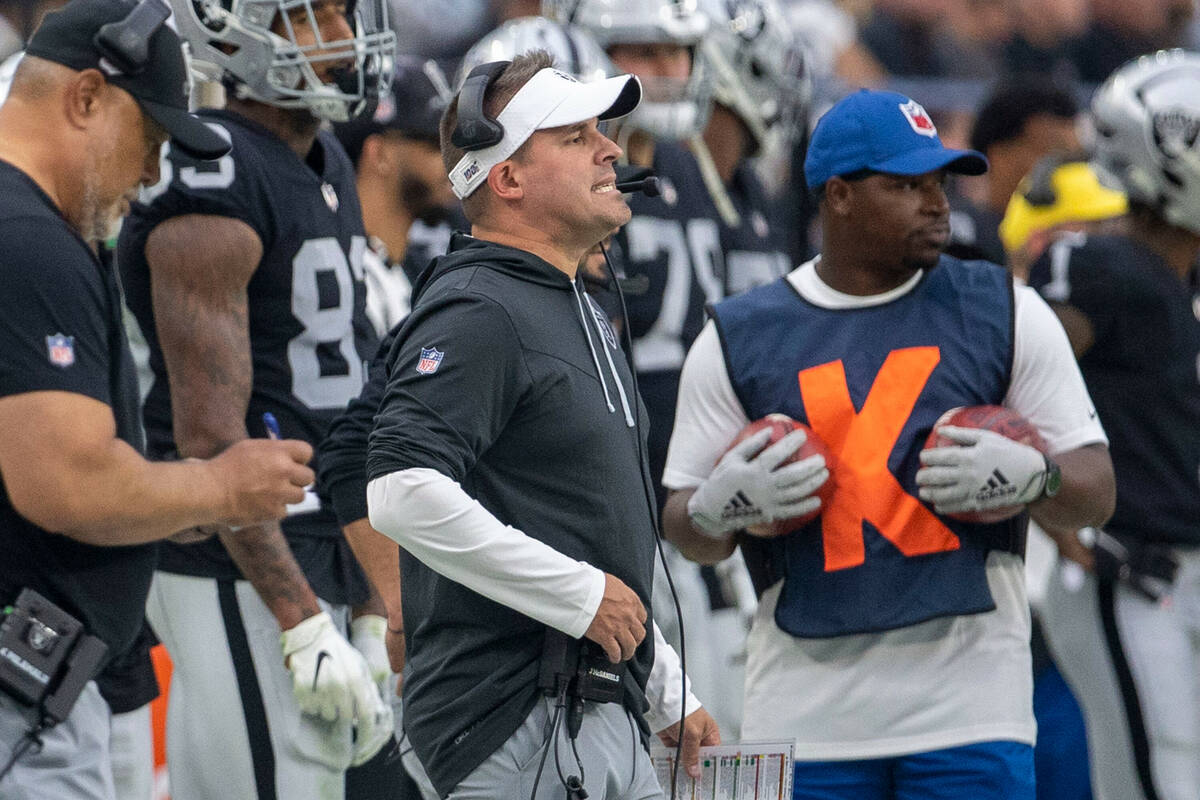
x=60, y=330
x=309, y=333
x=1143, y=374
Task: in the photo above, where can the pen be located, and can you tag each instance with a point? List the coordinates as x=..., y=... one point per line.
x=271, y=424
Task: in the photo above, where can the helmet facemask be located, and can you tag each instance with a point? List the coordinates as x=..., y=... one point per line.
x=253, y=46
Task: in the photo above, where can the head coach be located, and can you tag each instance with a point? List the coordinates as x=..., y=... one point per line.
x=102, y=86
x=508, y=458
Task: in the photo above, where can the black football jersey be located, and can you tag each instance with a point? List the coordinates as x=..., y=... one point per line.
x=755, y=251
x=309, y=334
x=1143, y=373
x=674, y=240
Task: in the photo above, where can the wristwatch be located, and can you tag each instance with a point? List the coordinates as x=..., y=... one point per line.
x=1053, y=478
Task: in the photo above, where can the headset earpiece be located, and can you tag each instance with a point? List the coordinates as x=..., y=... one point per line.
x=1041, y=181
x=126, y=44
x=475, y=129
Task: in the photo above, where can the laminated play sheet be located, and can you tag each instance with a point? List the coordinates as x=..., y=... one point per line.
x=743, y=771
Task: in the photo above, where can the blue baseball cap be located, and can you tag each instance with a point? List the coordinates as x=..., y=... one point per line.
x=883, y=132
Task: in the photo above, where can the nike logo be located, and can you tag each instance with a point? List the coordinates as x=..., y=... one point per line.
x=321, y=656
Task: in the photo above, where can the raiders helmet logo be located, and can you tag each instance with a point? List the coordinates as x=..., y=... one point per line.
x=1175, y=131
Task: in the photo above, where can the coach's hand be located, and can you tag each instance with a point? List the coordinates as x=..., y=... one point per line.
x=260, y=477
x=748, y=487
x=959, y=477
x=331, y=679
x=699, y=730
x=620, y=622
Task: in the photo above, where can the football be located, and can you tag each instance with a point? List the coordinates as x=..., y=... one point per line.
x=997, y=419
x=781, y=425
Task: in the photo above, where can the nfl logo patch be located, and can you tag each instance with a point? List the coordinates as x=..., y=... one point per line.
x=918, y=118
x=431, y=359
x=60, y=350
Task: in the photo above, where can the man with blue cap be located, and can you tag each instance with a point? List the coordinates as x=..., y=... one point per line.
x=892, y=636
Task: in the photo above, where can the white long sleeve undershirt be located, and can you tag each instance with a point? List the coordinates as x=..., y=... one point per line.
x=429, y=515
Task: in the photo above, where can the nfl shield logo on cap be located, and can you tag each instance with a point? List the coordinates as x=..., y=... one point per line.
x=60, y=350
x=431, y=359
x=918, y=118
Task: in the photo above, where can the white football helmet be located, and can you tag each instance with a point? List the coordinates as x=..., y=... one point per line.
x=758, y=66
x=232, y=41
x=1147, y=123
x=671, y=109
x=573, y=49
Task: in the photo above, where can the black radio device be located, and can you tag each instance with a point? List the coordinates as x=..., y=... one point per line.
x=581, y=666
x=45, y=657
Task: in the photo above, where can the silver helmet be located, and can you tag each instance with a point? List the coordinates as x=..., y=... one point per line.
x=758, y=66
x=1147, y=123
x=233, y=41
x=573, y=49
x=671, y=108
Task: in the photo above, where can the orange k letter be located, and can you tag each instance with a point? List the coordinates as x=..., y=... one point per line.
x=861, y=443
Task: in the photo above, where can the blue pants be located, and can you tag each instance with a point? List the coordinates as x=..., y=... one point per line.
x=1061, y=756
x=984, y=771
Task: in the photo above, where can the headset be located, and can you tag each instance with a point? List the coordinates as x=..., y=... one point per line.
x=1041, y=180
x=475, y=129
x=126, y=43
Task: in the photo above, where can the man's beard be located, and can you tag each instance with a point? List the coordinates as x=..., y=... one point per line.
x=417, y=197
x=99, y=222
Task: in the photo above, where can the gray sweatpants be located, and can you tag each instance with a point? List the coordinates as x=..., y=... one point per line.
x=615, y=765
x=73, y=763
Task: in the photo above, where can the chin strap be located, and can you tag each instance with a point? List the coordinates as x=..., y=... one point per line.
x=716, y=186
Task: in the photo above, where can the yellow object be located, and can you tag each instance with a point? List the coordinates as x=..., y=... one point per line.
x=1078, y=197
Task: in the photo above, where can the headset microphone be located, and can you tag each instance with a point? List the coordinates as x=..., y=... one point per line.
x=648, y=186
x=631, y=180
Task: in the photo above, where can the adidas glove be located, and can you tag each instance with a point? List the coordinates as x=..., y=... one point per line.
x=748, y=487
x=332, y=680
x=983, y=472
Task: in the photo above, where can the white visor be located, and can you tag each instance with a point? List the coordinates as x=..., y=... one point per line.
x=550, y=99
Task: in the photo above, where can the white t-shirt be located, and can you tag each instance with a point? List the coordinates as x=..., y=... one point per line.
x=941, y=683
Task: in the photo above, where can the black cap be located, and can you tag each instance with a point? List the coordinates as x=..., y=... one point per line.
x=414, y=107
x=76, y=37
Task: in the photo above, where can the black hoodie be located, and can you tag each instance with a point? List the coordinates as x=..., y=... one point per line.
x=510, y=381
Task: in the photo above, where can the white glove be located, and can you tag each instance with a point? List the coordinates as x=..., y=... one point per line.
x=746, y=489
x=367, y=634
x=331, y=679
x=984, y=471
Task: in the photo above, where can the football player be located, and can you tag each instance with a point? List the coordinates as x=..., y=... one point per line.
x=400, y=182
x=761, y=91
x=1124, y=633
x=246, y=277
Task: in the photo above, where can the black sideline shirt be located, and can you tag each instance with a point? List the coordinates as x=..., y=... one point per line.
x=60, y=330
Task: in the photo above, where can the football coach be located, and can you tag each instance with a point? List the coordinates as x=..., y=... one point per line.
x=508, y=460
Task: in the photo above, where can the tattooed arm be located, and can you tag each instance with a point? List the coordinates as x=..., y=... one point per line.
x=201, y=315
